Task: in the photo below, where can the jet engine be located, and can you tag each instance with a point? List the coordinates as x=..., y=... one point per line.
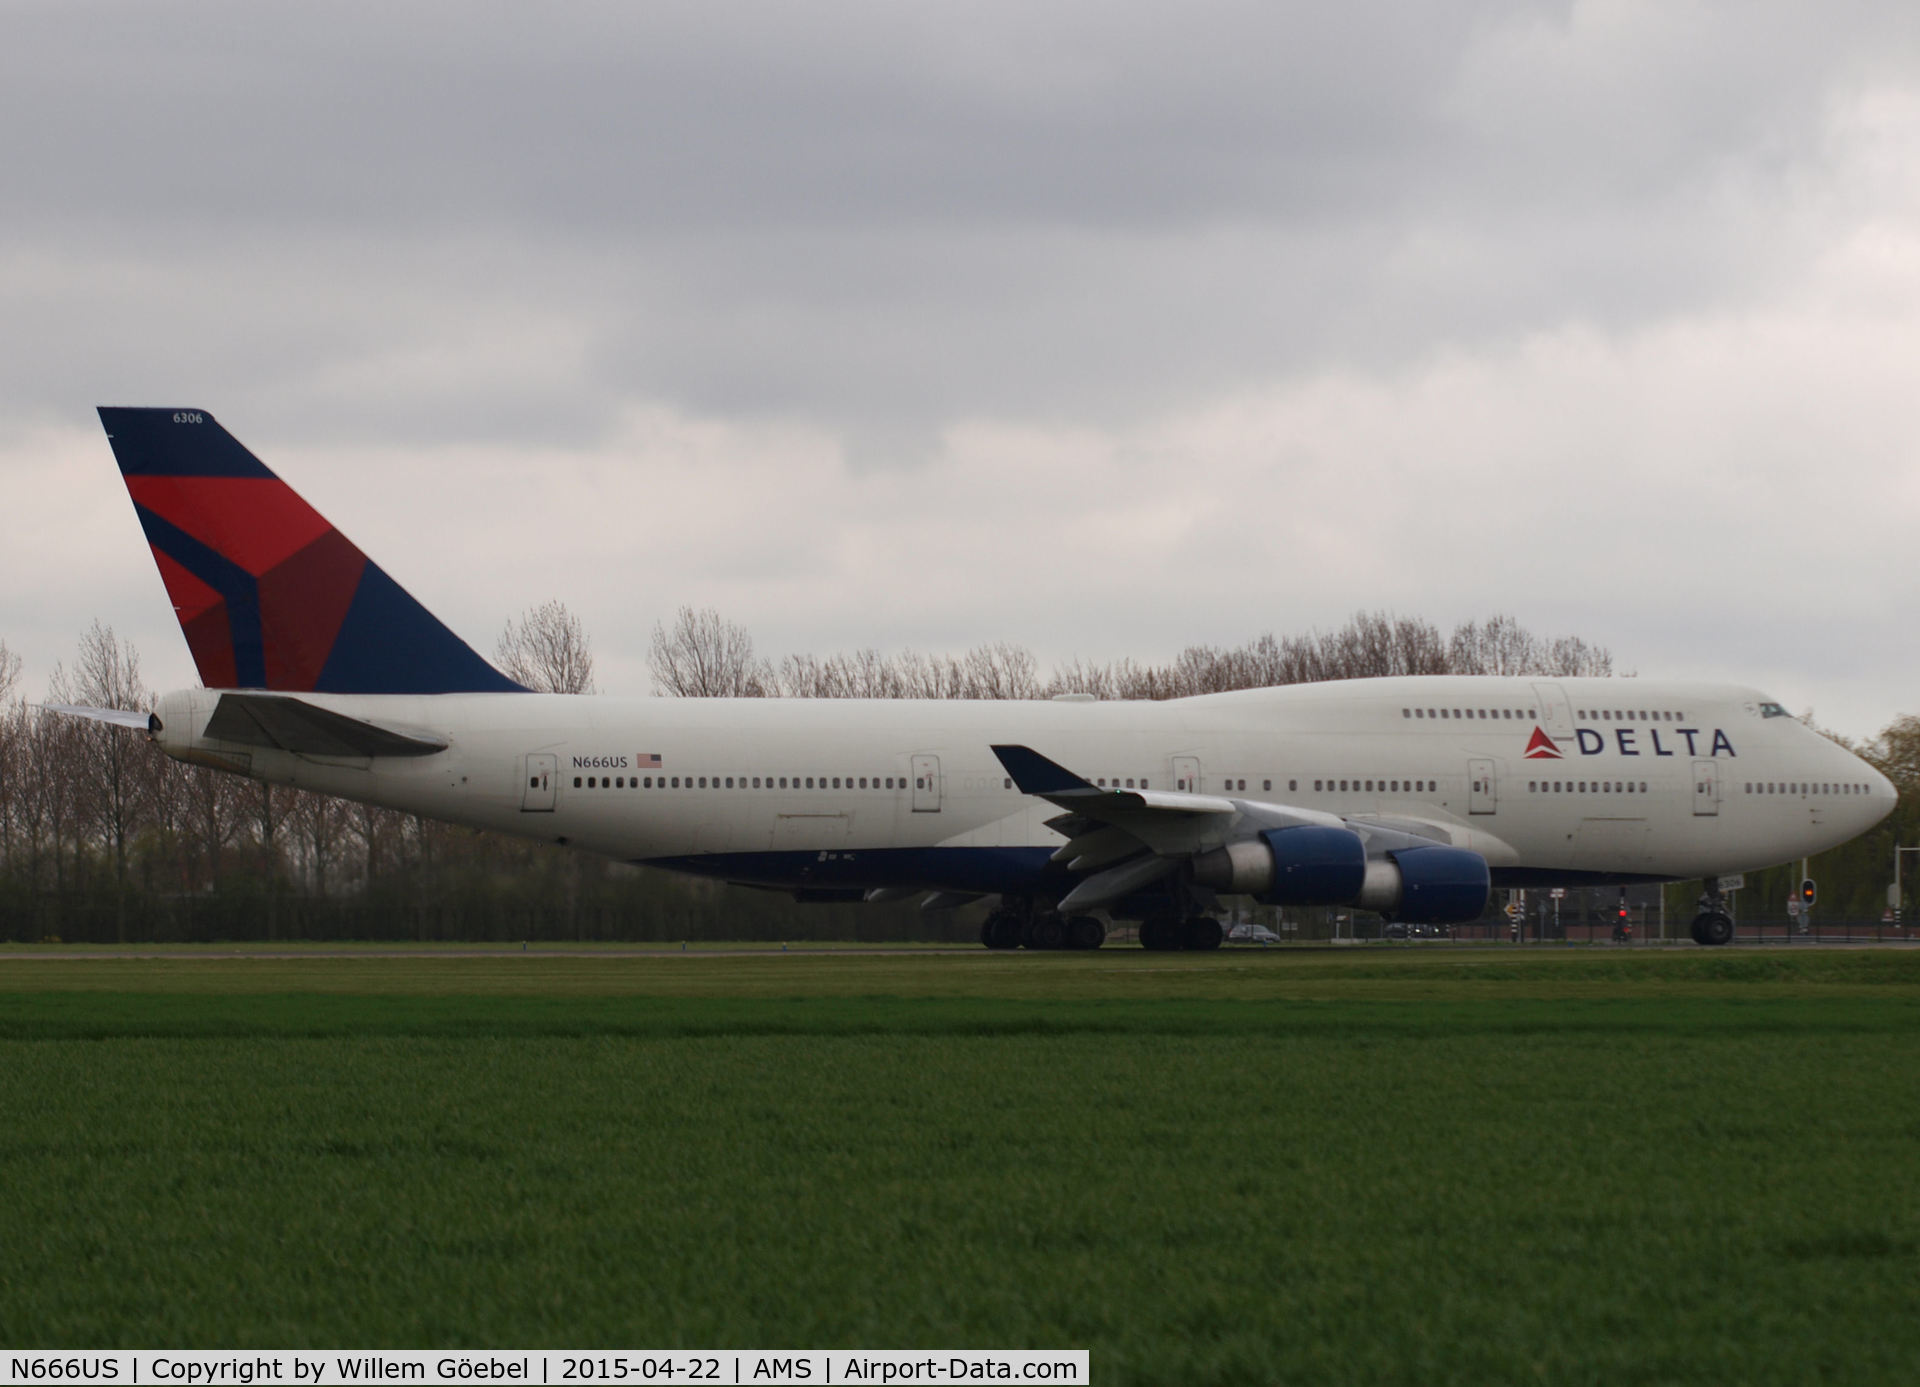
x=1316, y=865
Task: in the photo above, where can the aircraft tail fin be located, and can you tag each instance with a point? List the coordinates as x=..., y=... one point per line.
x=269, y=594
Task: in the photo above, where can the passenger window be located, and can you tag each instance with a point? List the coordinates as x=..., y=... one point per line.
x=576, y=782
x=1293, y=785
x=1419, y=712
x=1406, y=712
x=1316, y=784
x=1266, y=785
x=1006, y=784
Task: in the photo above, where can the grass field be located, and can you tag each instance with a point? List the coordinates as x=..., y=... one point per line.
x=1403, y=1166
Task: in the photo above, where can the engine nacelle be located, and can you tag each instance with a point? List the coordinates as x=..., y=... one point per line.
x=1309, y=865
x=1315, y=865
x=1428, y=886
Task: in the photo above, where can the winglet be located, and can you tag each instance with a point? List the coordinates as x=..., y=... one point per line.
x=1036, y=775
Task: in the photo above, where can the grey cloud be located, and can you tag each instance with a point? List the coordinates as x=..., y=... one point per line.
x=887, y=216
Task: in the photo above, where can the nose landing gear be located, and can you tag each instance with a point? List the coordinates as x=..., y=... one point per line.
x=1713, y=925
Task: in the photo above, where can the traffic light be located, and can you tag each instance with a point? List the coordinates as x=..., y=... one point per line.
x=1807, y=892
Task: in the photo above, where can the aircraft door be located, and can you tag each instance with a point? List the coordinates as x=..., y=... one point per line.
x=926, y=784
x=536, y=797
x=1706, y=788
x=1186, y=774
x=1556, y=715
x=1482, y=790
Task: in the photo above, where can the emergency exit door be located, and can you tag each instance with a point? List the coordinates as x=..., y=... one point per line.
x=926, y=784
x=1706, y=787
x=1482, y=791
x=536, y=794
x=1186, y=774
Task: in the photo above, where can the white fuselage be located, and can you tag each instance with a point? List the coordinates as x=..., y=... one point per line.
x=1650, y=780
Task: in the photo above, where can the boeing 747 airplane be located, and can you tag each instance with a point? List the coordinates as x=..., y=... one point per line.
x=1410, y=797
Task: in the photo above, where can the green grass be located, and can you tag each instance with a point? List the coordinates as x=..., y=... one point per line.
x=1469, y=1166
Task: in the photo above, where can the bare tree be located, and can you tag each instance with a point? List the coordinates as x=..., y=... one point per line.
x=213, y=814
x=547, y=650
x=12, y=742
x=111, y=764
x=318, y=828
x=703, y=655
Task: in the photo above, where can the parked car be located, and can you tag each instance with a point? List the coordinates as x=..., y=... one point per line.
x=1246, y=932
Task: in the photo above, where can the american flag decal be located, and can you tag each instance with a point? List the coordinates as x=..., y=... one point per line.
x=647, y=760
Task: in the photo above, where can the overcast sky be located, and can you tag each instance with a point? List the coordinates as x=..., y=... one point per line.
x=1103, y=328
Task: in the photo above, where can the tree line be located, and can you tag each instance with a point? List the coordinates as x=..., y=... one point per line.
x=103, y=838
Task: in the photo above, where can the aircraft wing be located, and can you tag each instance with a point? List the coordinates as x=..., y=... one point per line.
x=292, y=724
x=1120, y=841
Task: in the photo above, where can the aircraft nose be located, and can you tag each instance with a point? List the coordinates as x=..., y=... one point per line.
x=1882, y=795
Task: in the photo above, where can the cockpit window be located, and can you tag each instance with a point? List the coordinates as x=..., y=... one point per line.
x=1772, y=710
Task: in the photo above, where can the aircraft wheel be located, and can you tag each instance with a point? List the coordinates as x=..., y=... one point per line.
x=1160, y=932
x=1203, y=932
x=1001, y=930
x=1715, y=929
x=1085, y=932
x=1048, y=931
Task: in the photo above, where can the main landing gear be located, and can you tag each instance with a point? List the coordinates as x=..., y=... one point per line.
x=1713, y=925
x=1019, y=924
x=1172, y=932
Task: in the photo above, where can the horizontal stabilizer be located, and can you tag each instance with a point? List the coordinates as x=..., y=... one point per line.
x=119, y=717
x=289, y=724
